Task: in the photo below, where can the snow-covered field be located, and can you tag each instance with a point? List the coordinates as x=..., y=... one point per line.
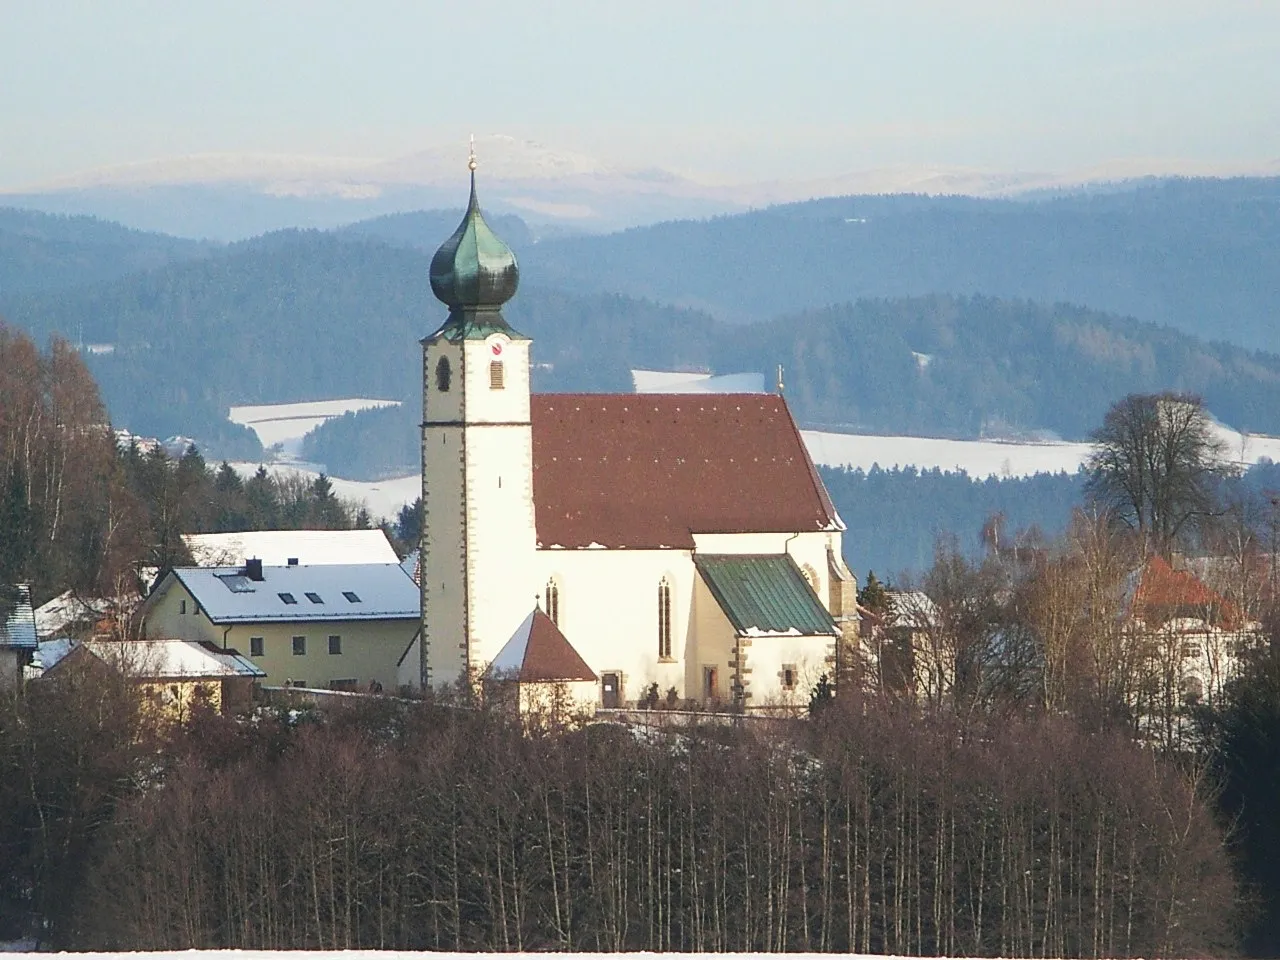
x=287, y=423
x=383, y=498
x=985, y=458
x=978, y=458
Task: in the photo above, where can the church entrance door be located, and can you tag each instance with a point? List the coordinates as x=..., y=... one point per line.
x=611, y=691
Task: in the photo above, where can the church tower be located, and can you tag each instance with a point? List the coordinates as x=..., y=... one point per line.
x=478, y=539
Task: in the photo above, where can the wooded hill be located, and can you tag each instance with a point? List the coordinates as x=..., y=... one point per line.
x=41, y=251
x=1200, y=255
x=303, y=315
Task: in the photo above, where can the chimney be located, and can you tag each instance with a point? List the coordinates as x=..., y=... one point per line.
x=253, y=569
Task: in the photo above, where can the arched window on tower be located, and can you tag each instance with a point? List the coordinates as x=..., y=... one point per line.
x=664, y=619
x=444, y=374
x=552, y=602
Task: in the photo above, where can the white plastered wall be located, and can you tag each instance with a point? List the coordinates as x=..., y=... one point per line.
x=478, y=575
x=608, y=611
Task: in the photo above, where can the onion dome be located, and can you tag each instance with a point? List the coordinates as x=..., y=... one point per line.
x=473, y=268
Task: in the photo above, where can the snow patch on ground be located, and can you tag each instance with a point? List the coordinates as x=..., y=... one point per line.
x=382, y=498
x=1001, y=458
x=978, y=458
x=287, y=423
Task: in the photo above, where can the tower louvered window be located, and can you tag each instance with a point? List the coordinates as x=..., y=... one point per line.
x=497, y=376
x=553, y=601
x=444, y=374
x=664, y=619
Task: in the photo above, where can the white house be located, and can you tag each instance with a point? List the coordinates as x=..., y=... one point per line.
x=682, y=540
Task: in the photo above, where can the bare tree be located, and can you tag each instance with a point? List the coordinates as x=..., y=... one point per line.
x=1156, y=466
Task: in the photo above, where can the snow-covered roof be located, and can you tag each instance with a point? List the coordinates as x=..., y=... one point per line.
x=290, y=594
x=172, y=659
x=278, y=547
x=914, y=608
x=412, y=565
x=19, y=628
x=49, y=653
x=65, y=610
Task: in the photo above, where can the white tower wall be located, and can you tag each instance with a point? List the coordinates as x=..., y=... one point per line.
x=479, y=576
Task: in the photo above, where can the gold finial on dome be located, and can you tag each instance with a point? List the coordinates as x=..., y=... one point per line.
x=471, y=159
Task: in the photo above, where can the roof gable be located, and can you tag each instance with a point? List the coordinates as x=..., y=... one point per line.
x=626, y=470
x=539, y=653
x=764, y=595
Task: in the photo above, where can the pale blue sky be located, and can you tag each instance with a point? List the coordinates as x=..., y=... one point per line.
x=739, y=89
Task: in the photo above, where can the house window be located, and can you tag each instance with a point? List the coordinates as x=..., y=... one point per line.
x=314, y=597
x=497, y=377
x=348, y=685
x=335, y=644
x=552, y=603
x=299, y=646
x=182, y=606
x=300, y=684
x=351, y=595
x=788, y=676
x=256, y=647
x=664, y=620
x=444, y=373
x=287, y=597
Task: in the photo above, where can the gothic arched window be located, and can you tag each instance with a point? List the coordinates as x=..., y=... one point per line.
x=664, y=619
x=811, y=575
x=552, y=603
x=444, y=373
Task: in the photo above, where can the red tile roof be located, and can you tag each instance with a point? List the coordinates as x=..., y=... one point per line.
x=650, y=470
x=538, y=652
x=1165, y=593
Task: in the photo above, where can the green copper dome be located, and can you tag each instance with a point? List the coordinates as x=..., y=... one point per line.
x=473, y=268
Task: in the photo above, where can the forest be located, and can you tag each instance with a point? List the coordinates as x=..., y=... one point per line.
x=872, y=828
x=80, y=512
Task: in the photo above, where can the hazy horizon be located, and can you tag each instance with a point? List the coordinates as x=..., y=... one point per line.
x=715, y=90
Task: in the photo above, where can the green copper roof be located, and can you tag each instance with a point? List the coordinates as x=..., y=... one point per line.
x=764, y=594
x=473, y=268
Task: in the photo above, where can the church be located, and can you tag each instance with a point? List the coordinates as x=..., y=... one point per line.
x=620, y=545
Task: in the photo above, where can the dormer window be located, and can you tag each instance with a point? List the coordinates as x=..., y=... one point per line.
x=444, y=374
x=497, y=375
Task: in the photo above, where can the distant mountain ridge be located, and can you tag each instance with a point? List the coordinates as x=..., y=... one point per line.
x=233, y=196
x=41, y=251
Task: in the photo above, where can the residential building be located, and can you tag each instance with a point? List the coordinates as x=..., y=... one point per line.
x=330, y=626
